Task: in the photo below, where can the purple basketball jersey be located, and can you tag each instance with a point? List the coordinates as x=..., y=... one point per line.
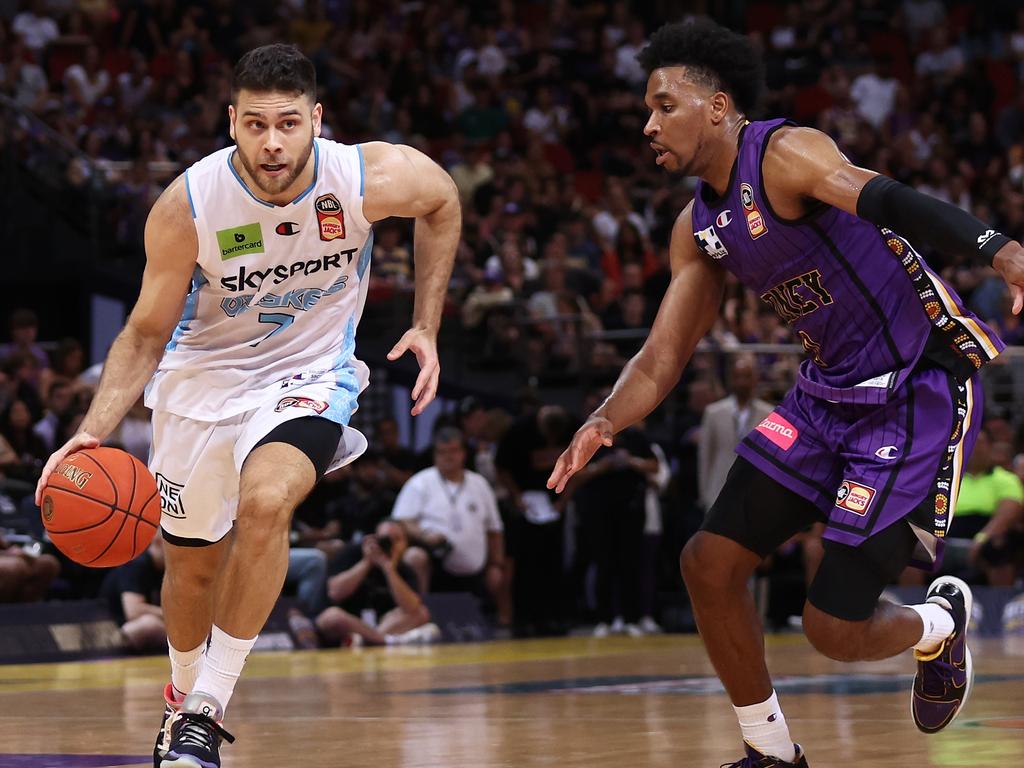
x=862, y=301
x=884, y=412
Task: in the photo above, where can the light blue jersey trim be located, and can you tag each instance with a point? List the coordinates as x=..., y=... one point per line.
x=188, y=191
x=364, y=256
x=316, y=172
x=191, y=308
x=243, y=184
x=362, y=170
x=343, y=401
x=304, y=193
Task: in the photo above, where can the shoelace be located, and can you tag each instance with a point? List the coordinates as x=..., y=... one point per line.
x=200, y=731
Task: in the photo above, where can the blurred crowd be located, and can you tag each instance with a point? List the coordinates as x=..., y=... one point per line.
x=536, y=111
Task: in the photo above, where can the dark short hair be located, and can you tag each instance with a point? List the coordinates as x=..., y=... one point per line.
x=714, y=55
x=275, y=67
x=447, y=435
x=24, y=318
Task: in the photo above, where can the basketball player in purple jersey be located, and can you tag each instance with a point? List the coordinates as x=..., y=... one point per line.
x=886, y=407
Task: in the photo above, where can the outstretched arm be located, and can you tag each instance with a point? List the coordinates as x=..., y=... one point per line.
x=171, y=251
x=804, y=163
x=402, y=181
x=687, y=312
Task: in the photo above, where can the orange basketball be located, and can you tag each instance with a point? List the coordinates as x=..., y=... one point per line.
x=101, y=507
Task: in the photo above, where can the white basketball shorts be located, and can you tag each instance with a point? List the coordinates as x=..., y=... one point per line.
x=197, y=464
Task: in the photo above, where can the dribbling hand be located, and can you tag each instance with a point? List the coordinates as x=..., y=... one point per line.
x=423, y=344
x=77, y=442
x=594, y=433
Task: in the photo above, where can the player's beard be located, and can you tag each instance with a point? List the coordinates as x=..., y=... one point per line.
x=274, y=185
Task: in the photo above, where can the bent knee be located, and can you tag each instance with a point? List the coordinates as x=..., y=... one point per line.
x=416, y=557
x=835, y=638
x=709, y=561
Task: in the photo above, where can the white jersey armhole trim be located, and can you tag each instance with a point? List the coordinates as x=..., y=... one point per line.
x=361, y=218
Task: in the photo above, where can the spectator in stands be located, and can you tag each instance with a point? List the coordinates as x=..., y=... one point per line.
x=317, y=521
x=724, y=423
x=87, y=82
x=23, y=79
x=132, y=591
x=526, y=455
x=27, y=451
x=610, y=497
x=35, y=26
x=395, y=460
x=374, y=593
x=24, y=326
x=24, y=577
x=369, y=498
x=453, y=520
x=990, y=514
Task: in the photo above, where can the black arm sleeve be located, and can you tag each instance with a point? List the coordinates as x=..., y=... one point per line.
x=923, y=219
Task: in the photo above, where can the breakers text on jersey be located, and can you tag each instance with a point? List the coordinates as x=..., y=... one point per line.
x=302, y=299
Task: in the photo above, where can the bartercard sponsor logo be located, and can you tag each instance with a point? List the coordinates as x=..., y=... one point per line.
x=240, y=241
x=779, y=431
x=854, y=497
x=318, y=406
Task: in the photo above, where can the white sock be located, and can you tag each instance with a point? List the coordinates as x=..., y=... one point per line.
x=764, y=728
x=223, y=665
x=938, y=625
x=185, y=668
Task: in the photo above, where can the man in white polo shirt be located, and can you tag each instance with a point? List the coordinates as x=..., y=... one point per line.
x=452, y=514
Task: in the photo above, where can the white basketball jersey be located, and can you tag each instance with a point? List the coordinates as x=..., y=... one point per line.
x=277, y=291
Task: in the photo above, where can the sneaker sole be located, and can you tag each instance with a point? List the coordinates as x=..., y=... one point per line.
x=187, y=761
x=965, y=590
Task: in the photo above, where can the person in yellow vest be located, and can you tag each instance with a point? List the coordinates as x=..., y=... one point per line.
x=990, y=511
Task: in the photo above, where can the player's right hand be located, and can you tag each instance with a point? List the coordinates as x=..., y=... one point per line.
x=77, y=442
x=594, y=433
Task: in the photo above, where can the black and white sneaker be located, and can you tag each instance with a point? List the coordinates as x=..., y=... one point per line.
x=163, y=738
x=196, y=734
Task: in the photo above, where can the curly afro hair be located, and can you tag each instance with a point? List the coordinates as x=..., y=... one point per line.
x=713, y=54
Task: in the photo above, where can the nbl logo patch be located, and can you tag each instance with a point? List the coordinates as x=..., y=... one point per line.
x=854, y=497
x=319, y=406
x=330, y=217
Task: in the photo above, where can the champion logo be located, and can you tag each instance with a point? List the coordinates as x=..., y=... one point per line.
x=772, y=717
x=887, y=452
x=724, y=218
x=779, y=431
x=287, y=228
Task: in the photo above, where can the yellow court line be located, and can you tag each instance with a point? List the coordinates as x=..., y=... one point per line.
x=153, y=671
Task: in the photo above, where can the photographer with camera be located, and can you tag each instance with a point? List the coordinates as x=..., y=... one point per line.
x=373, y=594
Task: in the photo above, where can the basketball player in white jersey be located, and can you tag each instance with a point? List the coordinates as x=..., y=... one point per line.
x=256, y=275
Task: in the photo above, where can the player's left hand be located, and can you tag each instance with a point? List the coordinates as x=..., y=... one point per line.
x=423, y=344
x=1009, y=262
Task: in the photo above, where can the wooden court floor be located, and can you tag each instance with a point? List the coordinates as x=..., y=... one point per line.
x=568, y=702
